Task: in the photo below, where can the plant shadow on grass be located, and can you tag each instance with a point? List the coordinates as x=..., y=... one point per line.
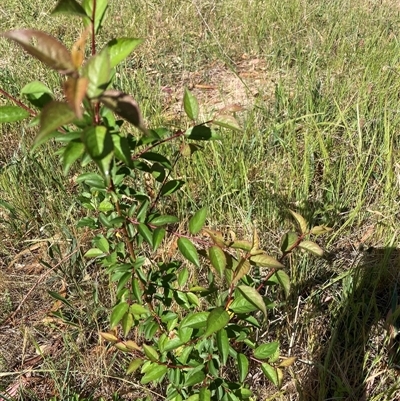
x=349, y=364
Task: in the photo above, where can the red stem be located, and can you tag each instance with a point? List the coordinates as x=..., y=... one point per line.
x=170, y=138
x=19, y=103
x=97, y=105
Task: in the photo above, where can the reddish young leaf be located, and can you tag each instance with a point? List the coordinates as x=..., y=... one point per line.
x=216, y=236
x=253, y=296
x=266, y=261
x=241, y=244
x=53, y=116
x=109, y=337
x=44, y=47
x=78, y=49
x=75, y=91
x=311, y=247
x=300, y=221
x=228, y=122
x=125, y=106
x=242, y=269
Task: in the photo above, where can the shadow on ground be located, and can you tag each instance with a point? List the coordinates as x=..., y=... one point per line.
x=360, y=342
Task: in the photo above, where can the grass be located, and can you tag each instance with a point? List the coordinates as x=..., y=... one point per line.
x=318, y=82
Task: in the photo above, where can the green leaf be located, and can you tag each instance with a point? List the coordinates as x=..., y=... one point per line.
x=288, y=241
x=243, y=366
x=253, y=296
x=105, y=206
x=121, y=149
x=125, y=106
x=97, y=70
x=156, y=372
x=134, y=365
x=73, y=151
x=281, y=278
x=119, y=49
x=92, y=180
x=156, y=157
x=198, y=288
x=223, y=345
x=127, y=323
x=195, y=378
x=311, y=247
x=217, y=320
x=202, y=133
x=185, y=334
x=59, y=297
x=118, y=313
x=265, y=351
x=183, y=276
x=147, y=366
x=163, y=220
x=10, y=114
x=228, y=122
x=158, y=236
x=265, y=260
x=204, y=394
x=93, y=253
x=241, y=305
x=101, y=7
x=70, y=7
x=37, y=93
x=53, y=116
x=99, y=145
x=194, y=320
x=193, y=299
x=45, y=48
x=218, y=259
x=142, y=212
x=151, y=352
x=101, y=242
x=183, y=357
x=174, y=343
x=300, y=221
x=136, y=290
x=138, y=309
x=146, y=234
x=270, y=373
x=244, y=393
x=171, y=186
x=196, y=223
x=188, y=250
x=190, y=105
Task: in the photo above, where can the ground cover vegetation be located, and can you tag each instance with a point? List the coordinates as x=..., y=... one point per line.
x=184, y=262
